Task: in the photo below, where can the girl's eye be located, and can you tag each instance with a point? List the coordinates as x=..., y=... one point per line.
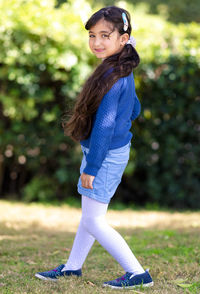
x=104, y=36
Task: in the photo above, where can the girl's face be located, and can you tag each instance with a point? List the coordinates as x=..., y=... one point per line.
x=103, y=42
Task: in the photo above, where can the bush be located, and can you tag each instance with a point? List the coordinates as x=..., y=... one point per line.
x=43, y=64
x=45, y=59
x=164, y=161
x=174, y=11
x=39, y=189
x=167, y=136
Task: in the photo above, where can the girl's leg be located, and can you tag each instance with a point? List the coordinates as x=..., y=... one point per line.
x=94, y=223
x=110, y=239
x=82, y=244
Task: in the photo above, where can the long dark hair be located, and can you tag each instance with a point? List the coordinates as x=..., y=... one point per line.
x=79, y=126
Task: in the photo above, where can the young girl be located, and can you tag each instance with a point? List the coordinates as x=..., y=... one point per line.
x=101, y=122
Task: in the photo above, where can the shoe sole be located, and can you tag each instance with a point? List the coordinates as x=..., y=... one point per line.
x=48, y=279
x=129, y=287
x=44, y=278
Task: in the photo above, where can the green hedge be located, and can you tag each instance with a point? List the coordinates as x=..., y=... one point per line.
x=184, y=11
x=45, y=59
x=43, y=63
x=167, y=136
x=166, y=141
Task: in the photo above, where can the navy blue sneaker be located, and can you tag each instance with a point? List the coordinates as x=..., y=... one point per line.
x=53, y=274
x=130, y=281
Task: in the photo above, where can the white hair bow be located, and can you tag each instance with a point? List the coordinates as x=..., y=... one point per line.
x=131, y=41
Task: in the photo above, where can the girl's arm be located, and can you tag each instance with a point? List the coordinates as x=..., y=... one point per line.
x=136, y=108
x=103, y=128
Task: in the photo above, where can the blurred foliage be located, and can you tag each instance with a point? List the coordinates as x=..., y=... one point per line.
x=39, y=188
x=167, y=135
x=45, y=59
x=184, y=11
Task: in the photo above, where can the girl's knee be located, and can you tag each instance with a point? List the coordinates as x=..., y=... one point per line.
x=92, y=224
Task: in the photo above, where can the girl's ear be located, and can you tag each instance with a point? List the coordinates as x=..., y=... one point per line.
x=124, y=39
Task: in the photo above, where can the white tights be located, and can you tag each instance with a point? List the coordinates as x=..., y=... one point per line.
x=93, y=226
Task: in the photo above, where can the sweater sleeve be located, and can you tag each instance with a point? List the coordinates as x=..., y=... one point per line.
x=103, y=129
x=136, y=108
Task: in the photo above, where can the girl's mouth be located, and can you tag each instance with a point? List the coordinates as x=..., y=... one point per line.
x=99, y=50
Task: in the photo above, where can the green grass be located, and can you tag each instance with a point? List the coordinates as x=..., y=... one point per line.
x=27, y=246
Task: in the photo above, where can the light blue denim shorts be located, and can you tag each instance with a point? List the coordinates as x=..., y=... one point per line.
x=109, y=175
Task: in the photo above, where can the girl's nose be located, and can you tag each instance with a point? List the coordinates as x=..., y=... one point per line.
x=97, y=42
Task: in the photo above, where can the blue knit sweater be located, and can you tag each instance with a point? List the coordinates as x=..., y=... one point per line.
x=112, y=122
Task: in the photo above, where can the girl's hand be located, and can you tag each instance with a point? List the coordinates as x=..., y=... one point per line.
x=86, y=181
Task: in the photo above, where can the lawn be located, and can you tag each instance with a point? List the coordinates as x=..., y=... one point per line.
x=36, y=237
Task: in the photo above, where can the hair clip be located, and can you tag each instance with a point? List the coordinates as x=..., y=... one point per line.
x=125, y=21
